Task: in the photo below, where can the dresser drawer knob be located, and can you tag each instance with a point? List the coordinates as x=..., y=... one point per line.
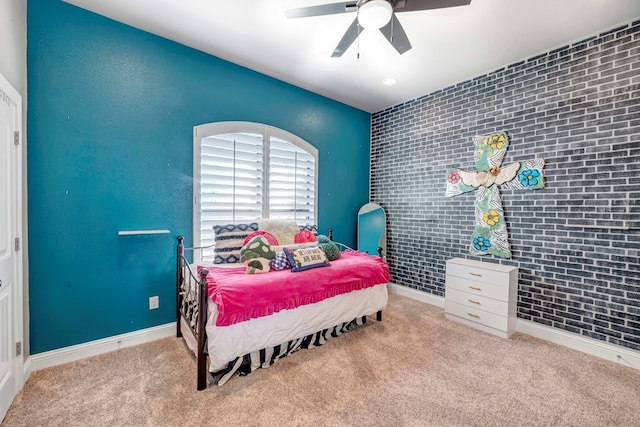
x=476, y=274
x=474, y=302
x=475, y=288
x=473, y=315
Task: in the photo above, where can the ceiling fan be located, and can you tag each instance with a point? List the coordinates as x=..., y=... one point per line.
x=379, y=14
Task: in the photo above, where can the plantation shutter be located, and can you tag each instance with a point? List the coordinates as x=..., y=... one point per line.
x=291, y=182
x=244, y=172
x=231, y=182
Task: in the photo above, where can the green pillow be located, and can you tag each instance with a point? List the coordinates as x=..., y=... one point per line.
x=330, y=248
x=257, y=255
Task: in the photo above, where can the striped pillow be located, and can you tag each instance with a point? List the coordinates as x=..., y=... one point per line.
x=229, y=240
x=312, y=228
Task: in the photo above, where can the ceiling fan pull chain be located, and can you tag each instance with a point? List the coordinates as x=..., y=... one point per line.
x=358, y=54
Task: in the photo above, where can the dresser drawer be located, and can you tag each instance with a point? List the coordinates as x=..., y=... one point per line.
x=476, y=302
x=478, y=273
x=482, y=317
x=498, y=290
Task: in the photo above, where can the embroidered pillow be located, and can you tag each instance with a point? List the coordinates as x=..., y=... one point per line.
x=304, y=236
x=280, y=262
x=270, y=238
x=257, y=255
x=280, y=248
x=229, y=240
x=305, y=258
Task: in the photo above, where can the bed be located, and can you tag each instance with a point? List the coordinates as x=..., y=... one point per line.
x=251, y=321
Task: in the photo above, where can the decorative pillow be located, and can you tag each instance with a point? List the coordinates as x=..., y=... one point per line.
x=284, y=230
x=270, y=238
x=305, y=258
x=280, y=248
x=304, y=236
x=229, y=240
x=330, y=248
x=257, y=255
x=280, y=262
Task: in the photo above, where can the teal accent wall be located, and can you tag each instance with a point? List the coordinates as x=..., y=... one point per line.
x=111, y=111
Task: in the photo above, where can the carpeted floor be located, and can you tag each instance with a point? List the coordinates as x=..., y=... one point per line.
x=413, y=369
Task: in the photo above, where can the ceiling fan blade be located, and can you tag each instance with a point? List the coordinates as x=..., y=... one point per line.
x=323, y=9
x=394, y=32
x=347, y=40
x=413, y=5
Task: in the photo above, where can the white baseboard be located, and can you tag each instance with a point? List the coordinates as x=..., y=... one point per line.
x=590, y=346
x=416, y=294
x=93, y=348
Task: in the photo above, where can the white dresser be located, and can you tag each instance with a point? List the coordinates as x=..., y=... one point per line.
x=482, y=295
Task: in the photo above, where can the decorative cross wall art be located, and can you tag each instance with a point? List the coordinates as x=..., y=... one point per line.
x=490, y=233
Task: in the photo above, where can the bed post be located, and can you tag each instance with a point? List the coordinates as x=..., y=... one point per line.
x=179, y=278
x=202, y=317
x=379, y=316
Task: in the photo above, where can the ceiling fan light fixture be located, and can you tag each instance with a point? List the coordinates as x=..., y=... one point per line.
x=375, y=14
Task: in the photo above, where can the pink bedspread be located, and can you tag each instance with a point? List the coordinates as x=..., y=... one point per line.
x=242, y=296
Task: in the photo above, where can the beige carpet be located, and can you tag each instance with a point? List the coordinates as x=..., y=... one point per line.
x=413, y=369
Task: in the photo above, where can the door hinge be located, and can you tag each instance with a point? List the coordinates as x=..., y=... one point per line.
x=16, y=137
x=18, y=349
x=17, y=244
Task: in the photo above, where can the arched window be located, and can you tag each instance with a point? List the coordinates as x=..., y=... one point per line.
x=244, y=171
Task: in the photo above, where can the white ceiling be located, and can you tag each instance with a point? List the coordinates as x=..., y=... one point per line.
x=449, y=45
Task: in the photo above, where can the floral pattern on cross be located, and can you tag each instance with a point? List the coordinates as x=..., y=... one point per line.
x=490, y=231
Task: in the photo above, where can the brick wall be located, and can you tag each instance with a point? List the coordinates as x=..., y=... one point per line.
x=577, y=241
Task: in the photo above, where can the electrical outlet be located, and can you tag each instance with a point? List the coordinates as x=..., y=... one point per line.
x=154, y=302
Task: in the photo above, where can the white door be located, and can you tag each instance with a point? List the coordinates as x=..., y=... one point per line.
x=10, y=258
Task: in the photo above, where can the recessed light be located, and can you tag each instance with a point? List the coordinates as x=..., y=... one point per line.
x=389, y=81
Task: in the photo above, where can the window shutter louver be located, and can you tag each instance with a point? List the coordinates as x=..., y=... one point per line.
x=231, y=183
x=291, y=182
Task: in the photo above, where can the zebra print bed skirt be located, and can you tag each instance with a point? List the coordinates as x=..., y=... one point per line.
x=266, y=357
